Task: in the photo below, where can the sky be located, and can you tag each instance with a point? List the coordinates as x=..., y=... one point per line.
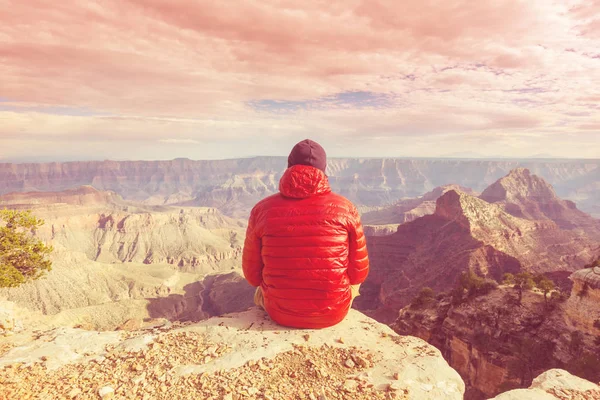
x=202, y=79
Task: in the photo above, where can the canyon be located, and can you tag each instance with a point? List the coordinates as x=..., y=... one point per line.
x=496, y=342
x=517, y=224
x=115, y=260
x=467, y=233
x=141, y=242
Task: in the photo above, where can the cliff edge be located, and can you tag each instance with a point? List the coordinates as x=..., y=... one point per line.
x=242, y=355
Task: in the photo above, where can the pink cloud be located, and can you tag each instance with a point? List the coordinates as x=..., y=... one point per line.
x=471, y=66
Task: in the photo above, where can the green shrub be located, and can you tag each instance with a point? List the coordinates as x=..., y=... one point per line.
x=22, y=255
x=426, y=297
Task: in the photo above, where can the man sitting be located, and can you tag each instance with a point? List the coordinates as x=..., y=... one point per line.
x=305, y=248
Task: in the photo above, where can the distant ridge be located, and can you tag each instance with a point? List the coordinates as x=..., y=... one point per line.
x=234, y=185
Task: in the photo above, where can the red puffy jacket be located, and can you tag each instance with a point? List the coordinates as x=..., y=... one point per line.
x=305, y=246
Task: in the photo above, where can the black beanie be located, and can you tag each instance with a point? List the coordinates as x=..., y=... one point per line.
x=308, y=152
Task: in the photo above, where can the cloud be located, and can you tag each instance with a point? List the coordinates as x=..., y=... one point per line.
x=349, y=70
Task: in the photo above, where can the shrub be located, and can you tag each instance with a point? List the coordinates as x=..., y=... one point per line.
x=22, y=255
x=508, y=279
x=425, y=298
x=475, y=285
x=558, y=297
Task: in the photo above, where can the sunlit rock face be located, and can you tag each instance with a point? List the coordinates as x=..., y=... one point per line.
x=583, y=306
x=358, y=358
x=528, y=196
x=116, y=260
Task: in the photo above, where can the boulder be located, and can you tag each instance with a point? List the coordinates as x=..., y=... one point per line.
x=555, y=384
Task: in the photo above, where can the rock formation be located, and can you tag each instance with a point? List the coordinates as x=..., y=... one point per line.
x=380, y=230
x=552, y=385
x=104, y=296
x=242, y=354
x=464, y=233
x=109, y=230
x=530, y=197
x=115, y=259
x=406, y=210
x=495, y=342
x=234, y=186
x=79, y=196
x=583, y=306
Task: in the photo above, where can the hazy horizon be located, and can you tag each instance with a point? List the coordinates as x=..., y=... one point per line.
x=457, y=158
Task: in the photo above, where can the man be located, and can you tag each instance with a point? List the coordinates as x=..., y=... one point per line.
x=305, y=247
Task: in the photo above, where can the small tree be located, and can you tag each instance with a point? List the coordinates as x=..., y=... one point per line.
x=476, y=285
x=508, y=279
x=456, y=295
x=425, y=297
x=546, y=286
x=523, y=281
x=22, y=255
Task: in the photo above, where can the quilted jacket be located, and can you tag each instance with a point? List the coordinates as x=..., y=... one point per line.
x=304, y=247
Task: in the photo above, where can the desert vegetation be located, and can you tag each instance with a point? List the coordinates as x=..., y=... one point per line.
x=23, y=257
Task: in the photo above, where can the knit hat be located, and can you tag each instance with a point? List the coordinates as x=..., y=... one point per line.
x=308, y=152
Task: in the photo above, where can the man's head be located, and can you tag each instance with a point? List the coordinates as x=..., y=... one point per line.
x=310, y=153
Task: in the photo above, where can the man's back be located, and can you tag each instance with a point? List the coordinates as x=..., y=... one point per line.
x=304, y=248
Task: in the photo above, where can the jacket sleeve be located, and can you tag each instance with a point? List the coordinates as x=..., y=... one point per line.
x=252, y=263
x=358, y=263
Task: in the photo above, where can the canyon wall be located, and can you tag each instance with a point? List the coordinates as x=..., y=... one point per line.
x=235, y=185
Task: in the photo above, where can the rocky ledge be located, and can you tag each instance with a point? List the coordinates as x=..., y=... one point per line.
x=235, y=356
x=555, y=384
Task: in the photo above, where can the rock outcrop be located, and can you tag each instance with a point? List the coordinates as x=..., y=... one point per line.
x=242, y=354
x=108, y=230
x=464, y=233
x=528, y=196
x=234, y=186
x=552, y=385
x=103, y=296
x=380, y=230
x=407, y=210
x=495, y=342
x=583, y=306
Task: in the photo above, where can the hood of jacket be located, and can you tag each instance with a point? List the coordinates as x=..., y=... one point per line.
x=302, y=181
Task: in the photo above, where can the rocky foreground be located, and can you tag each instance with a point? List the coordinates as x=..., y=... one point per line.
x=236, y=356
